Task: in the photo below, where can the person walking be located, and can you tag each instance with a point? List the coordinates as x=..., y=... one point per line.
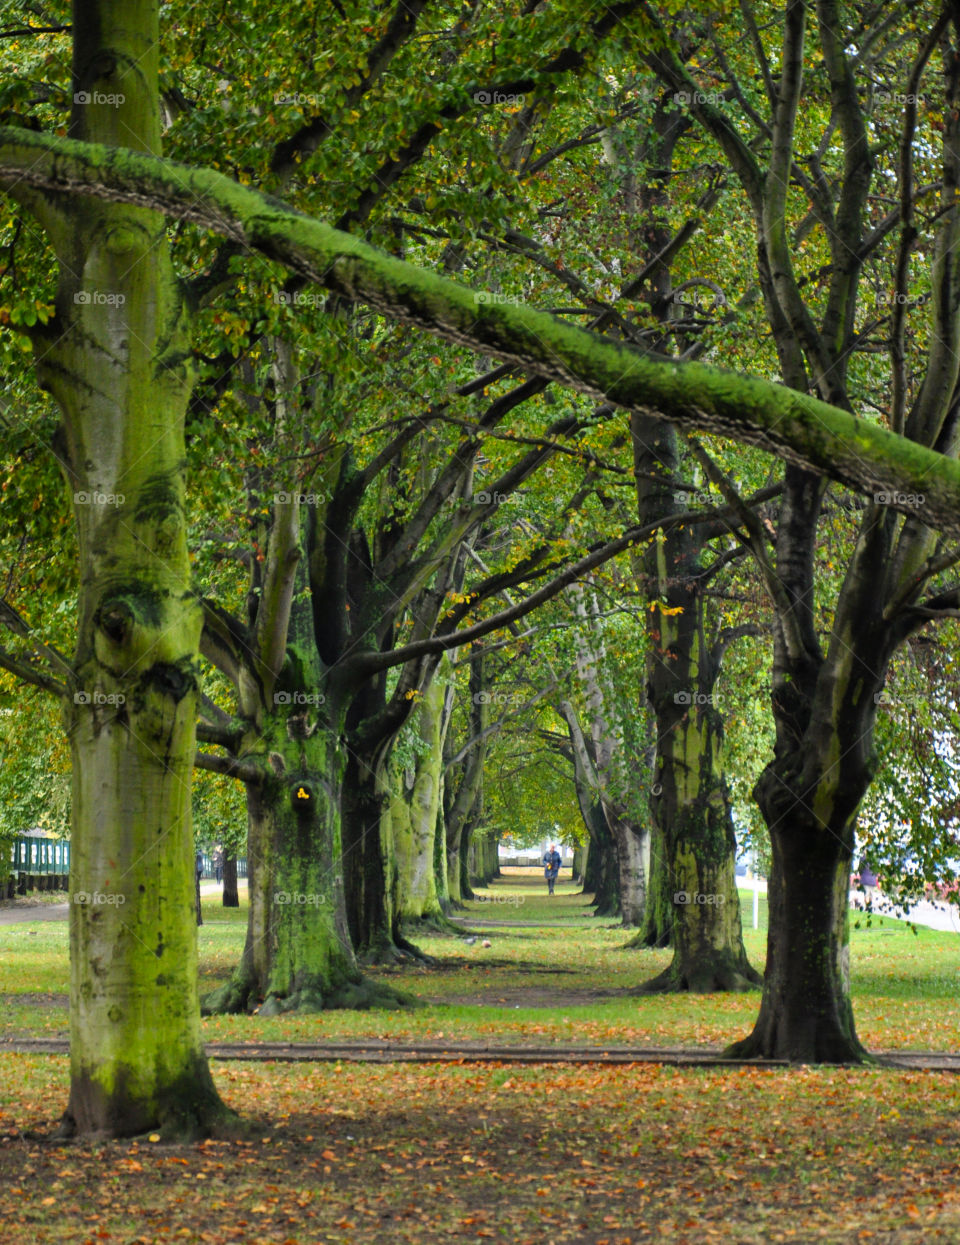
x=551, y=866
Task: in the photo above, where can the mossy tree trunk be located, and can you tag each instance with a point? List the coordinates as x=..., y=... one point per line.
x=689, y=798
x=461, y=797
x=414, y=810
x=657, y=928
x=116, y=358
x=297, y=955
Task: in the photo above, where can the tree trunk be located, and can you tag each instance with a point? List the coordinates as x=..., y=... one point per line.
x=463, y=857
x=689, y=801
x=231, y=889
x=297, y=954
x=708, y=951
x=116, y=361
x=805, y=1014
x=578, y=862
x=413, y=811
x=633, y=854
x=657, y=928
x=602, y=878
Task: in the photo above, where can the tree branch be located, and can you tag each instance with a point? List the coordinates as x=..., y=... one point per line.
x=799, y=428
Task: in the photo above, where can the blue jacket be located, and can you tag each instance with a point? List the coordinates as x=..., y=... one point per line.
x=551, y=864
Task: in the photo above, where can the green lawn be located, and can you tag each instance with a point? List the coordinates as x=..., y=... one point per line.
x=562, y=982
x=362, y=1154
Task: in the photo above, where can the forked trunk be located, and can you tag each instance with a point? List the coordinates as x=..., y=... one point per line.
x=297, y=954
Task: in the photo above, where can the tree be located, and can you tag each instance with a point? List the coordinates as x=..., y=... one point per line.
x=825, y=696
x=116, y=359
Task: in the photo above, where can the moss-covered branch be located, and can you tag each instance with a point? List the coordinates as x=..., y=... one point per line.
x=795, y=426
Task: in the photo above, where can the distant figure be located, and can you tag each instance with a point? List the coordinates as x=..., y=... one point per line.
x=551, y=866
x=218, y=863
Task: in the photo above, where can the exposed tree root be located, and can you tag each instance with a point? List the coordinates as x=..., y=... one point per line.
x=704, y=976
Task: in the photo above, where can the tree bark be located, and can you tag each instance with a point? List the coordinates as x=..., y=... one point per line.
x=116, y=360
x=806, y=1015
x=689, y=800
x=413, y=811
x=297, y=955
x=231, y=889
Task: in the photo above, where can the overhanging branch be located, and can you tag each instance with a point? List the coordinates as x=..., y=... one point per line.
x=797, y=427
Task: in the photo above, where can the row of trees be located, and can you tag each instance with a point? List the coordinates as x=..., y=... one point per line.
x=362, y=504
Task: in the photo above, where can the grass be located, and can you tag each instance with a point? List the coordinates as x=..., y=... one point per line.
x=534, y=983
x=364, y=1153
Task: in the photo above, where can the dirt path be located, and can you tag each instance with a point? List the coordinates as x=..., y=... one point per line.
x=482, y=1052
